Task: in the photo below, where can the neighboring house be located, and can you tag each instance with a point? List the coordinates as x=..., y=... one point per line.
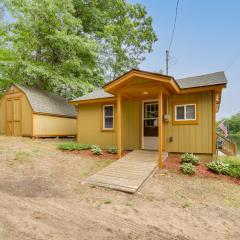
x=26, y=111
x=125, y=113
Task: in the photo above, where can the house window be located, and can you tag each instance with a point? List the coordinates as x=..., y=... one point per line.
x=108, y=117
x=185, y=112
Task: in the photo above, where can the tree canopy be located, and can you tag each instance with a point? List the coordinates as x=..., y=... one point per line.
x=233, y=125
x=72, y=46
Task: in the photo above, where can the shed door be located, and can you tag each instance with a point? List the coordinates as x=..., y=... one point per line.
x=17, y=117
x=9, y=110
x=14, y=117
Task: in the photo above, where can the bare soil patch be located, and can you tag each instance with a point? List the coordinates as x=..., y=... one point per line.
x=41, y=197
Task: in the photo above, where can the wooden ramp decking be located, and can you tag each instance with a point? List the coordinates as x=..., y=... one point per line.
x=129, y=173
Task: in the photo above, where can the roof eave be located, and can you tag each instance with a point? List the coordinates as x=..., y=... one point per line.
x=96, y=100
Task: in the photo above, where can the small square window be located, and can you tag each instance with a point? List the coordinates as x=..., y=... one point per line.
x=185, y=112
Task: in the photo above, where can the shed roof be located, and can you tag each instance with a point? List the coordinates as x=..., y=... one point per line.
x=211, y=79
x=43, y=102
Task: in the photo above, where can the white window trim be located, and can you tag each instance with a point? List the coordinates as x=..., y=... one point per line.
x=185, y=112
x=104, y=106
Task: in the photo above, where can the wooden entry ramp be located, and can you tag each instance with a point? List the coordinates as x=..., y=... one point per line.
x=129, y=173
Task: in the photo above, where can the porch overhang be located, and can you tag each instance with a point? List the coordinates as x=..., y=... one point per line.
x=136, y=80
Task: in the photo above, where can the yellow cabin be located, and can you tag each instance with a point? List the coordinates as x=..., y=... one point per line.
x=145, y=110
x=30, y=112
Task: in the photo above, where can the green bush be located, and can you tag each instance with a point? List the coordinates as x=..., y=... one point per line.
x=190, y=158
x=71, y=146
x=228, y=165
x=188, y=168
x=112, y=149
x=234, y=171
x=218, y=167
x=96, y=150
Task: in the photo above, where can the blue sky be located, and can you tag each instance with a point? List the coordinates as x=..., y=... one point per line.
x=206, y=40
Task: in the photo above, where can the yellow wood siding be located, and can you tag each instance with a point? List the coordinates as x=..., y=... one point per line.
x=90, y=129
x=90, y=125
x=27, y=117
x=45, y=125
x=186, y=138
x=191, y=138
x=131, y=124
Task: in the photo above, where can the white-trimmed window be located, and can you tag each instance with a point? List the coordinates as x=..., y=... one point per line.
x=185, y=112
x=108, y=117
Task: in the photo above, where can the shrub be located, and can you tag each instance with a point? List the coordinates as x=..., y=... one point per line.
x=190, y=158
x=218, y=167
x=96, y=150
x=71, y=146
x=188, y=168
x=112, y=149
x=234, y=171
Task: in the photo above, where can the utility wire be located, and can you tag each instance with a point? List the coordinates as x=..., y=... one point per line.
x=174, y=26
x=232, y=62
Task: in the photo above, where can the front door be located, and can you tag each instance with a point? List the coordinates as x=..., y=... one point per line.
x=150, y=125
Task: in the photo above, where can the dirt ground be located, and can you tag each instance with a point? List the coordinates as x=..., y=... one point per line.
x=41, y=197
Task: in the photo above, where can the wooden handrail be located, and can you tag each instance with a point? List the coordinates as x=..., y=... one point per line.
x=228, y=147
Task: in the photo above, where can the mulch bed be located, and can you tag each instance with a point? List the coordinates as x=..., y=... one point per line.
x=105, y=154
x=174, y=163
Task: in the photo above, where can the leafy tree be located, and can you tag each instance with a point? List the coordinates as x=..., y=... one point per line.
x=72, y=46
x=233, y=124
x=123, y=30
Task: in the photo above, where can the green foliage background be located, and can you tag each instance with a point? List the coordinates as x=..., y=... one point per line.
x=71, y=46
x=233, y=124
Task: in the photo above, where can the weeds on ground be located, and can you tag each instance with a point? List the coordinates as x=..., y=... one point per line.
x=22, y=156
x=107, y=201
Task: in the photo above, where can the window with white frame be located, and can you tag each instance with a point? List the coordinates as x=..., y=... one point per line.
x=108, y=117
x=185, y=112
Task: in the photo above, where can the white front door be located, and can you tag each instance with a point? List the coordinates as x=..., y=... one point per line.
x=150, y=125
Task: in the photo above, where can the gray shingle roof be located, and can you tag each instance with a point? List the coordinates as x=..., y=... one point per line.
x=43, y=102
x=190, y=82
x=203, y=80
x=96, y=94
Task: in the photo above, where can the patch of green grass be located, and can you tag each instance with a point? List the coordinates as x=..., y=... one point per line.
x=22, y=156
x=72, y=146
x=186, y=205
x=233, y=160
x=107, y=201
x=150, y=198
x=102, y=163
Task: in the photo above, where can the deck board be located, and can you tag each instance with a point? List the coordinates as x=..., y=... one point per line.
x=129, y=173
